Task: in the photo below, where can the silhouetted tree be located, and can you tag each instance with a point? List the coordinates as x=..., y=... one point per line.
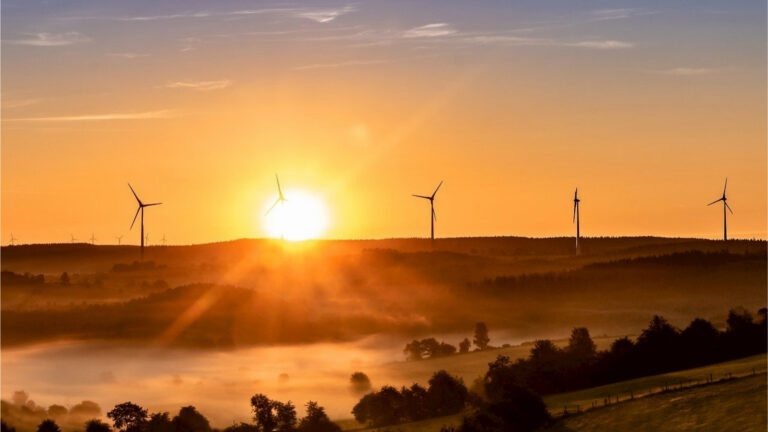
x=5, y=428
x=359, y=383
x=128, y=417
x=413, y=350
x=160, y=422
x=446, y=394
x=64, y=279
x=96, y=425
x=56, y=411
x=382, y=408
x=481, y=339
x=580, y=345
x=700, y=343
x=464, y=346
x=316, y=420
x=415, y=401
x=48, y=425
x=739, y=319
x=271, y=415
x=190, y=420
x=658, y=346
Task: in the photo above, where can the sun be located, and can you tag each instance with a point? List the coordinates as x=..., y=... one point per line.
x=302, y=216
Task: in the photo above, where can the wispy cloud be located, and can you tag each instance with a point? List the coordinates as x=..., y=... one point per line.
x=20, y=103
x=127, y=55
x=617, y=13
x=146, y=115
x=430, y=30
x=339, y=64
x=688, y=71
x=601, y=44
x=314, y=14
x=44, y=39
x=325, y=15
x=200, y=85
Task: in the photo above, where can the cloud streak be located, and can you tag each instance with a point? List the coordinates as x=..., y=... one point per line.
x=200, y=85
x=44, y=39
x=430, y=31
x=688, y=71
x=146, y=115
x=316, y=15
x=339, y=64
x=325, y=15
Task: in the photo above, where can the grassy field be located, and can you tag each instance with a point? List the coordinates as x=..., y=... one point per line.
x=737, y=405
x=728, y=408
x=641, y=386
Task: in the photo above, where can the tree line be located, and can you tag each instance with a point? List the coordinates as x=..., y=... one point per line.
x=268, y=416
x=507, y=397
x=660, y=348
x=431, y=348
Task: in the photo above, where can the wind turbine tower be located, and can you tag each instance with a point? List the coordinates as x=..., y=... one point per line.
x=140, y=209
x=725, y=207
x=576, y=202
x=433, y=216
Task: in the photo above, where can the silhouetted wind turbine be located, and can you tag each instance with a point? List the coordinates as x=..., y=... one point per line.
x=119, y=239
x=72, y=238
x=725, y=206
x=140, y=209
x=280, y=197
x=13, y=240
x=576, y=202
x=433, y=216
x=163, y=239
x=93, y=239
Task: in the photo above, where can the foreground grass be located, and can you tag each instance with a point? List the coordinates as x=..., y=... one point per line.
x=737, y=405
x=729, y=408
x=641, y=386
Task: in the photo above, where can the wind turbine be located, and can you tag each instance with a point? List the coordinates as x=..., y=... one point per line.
x=140, y=209
x=725, y=206
x=280, y=197
x=433, y=217
x=119, y=239
x=72, y=238
x=576, y=202
x=93, y=239
x=13, y=240
x=163, y=240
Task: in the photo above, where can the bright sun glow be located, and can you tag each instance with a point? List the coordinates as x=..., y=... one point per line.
x=302, y=216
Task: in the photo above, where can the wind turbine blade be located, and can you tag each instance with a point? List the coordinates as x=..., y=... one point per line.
x=279, y=189
x=726, y=186
x=422, y=196
x=728, y=207
x=437, y=189
x=273, y=206
x=152, y=204
x=576, y=194
x=134, y=193
x=574, y=212
x=717, y=200
x=135, y=216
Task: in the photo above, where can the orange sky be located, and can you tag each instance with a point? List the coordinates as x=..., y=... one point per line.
x=646, y=111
